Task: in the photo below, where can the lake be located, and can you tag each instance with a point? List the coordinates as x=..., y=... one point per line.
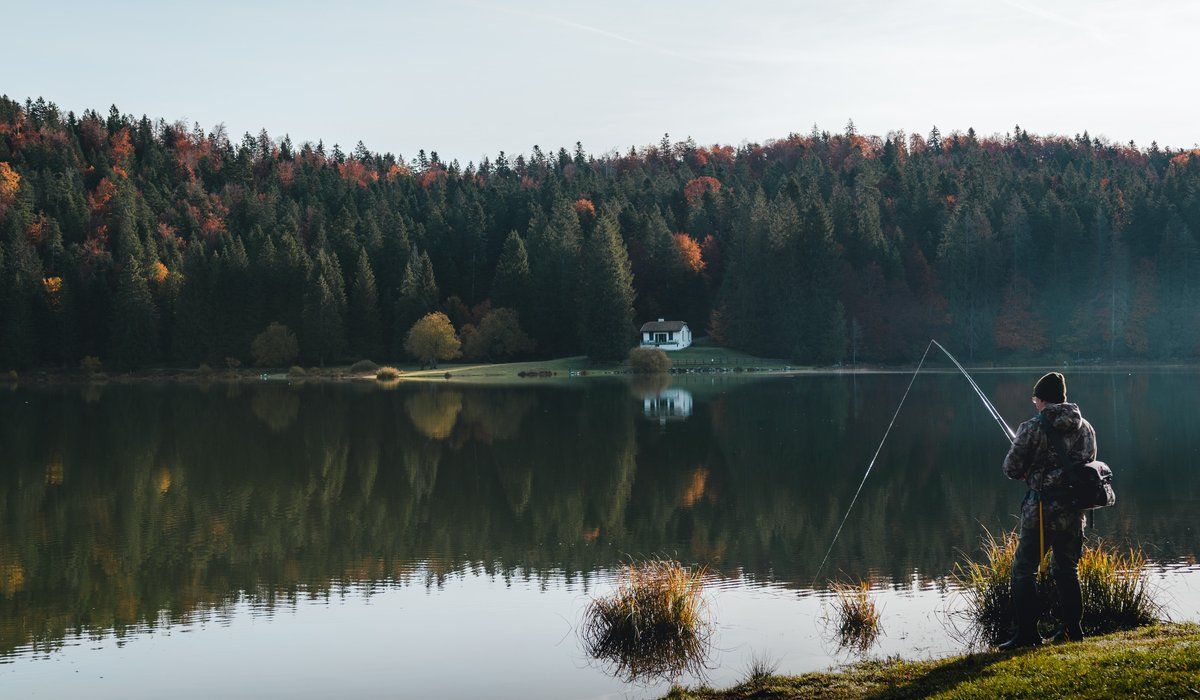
x=427, y=539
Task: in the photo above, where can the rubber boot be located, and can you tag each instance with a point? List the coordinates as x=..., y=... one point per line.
x=1072, y=607
x=1026, y=613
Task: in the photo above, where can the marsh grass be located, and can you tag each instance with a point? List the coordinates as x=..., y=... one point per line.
x=855, y=615
x=760, y=668
x=387, y=374
x=655, y=625
x=1116, y=590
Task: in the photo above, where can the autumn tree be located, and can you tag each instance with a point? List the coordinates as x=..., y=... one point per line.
x=432, y=339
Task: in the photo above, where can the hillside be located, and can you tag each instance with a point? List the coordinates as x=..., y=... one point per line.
x=147, y=243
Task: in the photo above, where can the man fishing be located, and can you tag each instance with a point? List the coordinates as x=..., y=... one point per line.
x=1047, y=521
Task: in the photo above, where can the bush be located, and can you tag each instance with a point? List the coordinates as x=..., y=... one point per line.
x=204, y=370
x=655, y=624
x=855, y=615
x=387, y=374
x=90, y=364
x=432, y=339
x=498, y=337
x=275, y=347
x=297, y=371
x=13, y=376
x=649, y=360
x=364, y=366
x=232, y=363
x=1116, y=592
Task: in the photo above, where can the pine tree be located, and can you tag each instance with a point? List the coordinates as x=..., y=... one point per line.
x=606, y=301
x=418, y=295
x=511, y=285
x=134, y=323
x=365, y=329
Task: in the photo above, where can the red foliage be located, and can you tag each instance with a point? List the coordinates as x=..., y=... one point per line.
x=696, y=187
x=585, y=208
x=122, y=151
x=689, y=252
x=36, y=232
x=1017, y=326
x=99, y=198
x=429, y=177
x=10, y=182
x=396, y=172
x=357, y=173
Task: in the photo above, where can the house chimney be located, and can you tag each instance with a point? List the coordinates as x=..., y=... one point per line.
x=661, y=320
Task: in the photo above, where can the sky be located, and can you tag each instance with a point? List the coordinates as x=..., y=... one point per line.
x=469, y=78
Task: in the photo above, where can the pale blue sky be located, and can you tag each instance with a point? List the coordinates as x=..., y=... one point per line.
x=470, y=77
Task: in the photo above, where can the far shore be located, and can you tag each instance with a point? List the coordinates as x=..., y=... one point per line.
x=724, y=363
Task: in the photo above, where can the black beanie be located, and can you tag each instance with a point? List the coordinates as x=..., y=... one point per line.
x=1051, y=388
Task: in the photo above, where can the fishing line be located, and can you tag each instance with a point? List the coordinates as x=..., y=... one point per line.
x=1008, y=433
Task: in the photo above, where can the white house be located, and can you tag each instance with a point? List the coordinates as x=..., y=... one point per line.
x=668, y=335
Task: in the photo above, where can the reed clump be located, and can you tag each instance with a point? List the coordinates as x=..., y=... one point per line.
x=655, y=624
x=387, y=374
x=855, y=615
x=1117, y=594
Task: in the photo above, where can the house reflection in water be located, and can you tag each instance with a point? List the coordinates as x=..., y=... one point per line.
x=668, y=404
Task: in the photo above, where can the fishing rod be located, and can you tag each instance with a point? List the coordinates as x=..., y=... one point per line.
x=991, y=409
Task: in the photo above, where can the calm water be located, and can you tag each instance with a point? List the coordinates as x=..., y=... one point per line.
x=311, y=541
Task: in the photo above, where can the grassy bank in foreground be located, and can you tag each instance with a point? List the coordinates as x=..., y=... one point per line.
x=1159, y=661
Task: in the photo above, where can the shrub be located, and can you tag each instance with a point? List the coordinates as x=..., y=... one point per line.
x=204, y=370
x=655, y=624
x=13, y=376
x=297, y=371
x=387, y=374
x=276, y=346
x=90, y=364
x=855, y=615
x=649, y=360
x=364, y=366
x=232, y=363
x=498, y=337
x=1115, y=586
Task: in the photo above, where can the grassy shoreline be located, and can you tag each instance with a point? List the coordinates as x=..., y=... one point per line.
x=1157, y=661
x=695, y=359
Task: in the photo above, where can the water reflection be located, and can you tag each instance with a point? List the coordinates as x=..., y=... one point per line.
x=125, y=507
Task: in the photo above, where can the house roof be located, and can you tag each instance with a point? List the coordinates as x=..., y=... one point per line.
x=661, y=326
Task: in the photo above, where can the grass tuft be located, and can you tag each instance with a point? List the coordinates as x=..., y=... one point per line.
x=760, y=668
x=654, y=626
x=387, y=374
x=1116, y=590
x=855, y=615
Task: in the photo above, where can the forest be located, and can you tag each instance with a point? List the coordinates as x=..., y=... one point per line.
x=145, y=243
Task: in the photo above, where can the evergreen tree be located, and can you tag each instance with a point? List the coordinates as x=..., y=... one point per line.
x=134, y=323
x=365, y=331
x=511, y=285
x=606, y=301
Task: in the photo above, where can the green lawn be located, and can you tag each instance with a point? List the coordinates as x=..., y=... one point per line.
x=1159, y=661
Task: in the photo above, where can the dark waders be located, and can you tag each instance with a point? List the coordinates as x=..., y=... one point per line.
x=1066, y=546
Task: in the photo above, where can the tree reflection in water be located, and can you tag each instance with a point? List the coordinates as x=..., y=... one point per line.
x=130, y=505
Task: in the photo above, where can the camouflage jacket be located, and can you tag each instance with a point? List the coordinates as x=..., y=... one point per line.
x=1033, y=460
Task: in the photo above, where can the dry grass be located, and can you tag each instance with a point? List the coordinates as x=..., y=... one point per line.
x=1116, y=590
x=855, y=615
x=654, y=626
x=387, y=374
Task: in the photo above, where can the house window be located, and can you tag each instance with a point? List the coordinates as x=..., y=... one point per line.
x=660, y=337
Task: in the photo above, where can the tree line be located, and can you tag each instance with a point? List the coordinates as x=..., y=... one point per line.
x=151, y=243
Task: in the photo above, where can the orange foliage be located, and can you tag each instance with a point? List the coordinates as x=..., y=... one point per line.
x=584, y=207
x=122, y=149
x=697, y=486
x=427, y=178
x=100, y=197
x=696, y=187
x=689, y=252
x=396, y=172
x=36, y=232
x=52, y=286
x=158, y=272
x=10, y=182
x=355, y=172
